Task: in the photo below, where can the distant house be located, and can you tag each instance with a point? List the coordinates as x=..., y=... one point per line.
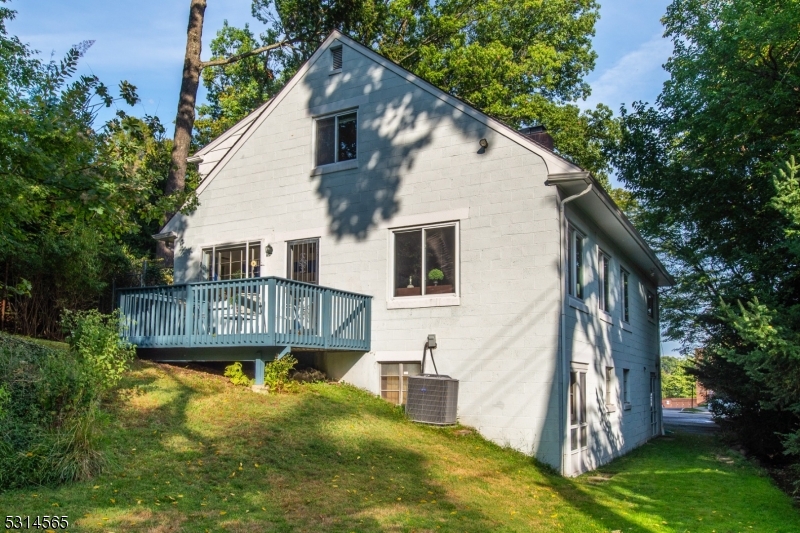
x=362, y=209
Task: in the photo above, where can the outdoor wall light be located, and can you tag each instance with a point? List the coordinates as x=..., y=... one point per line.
x=268, y=250
x=484, y=143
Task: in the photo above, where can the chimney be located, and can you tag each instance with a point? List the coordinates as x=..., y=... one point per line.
x=539, y=135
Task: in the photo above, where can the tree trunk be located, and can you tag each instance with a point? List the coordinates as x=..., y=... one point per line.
x=184, y=121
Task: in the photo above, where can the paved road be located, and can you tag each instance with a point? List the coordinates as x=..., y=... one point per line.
x=701, y=422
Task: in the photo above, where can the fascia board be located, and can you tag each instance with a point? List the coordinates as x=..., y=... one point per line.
x=565, y=179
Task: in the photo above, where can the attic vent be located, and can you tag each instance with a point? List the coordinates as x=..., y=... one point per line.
x=336, y=57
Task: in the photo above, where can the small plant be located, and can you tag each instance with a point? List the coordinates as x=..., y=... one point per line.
x=435, y=275
x=236, y=375
x=276, y=375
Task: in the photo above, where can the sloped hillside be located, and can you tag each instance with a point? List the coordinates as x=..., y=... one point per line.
x=190, y=452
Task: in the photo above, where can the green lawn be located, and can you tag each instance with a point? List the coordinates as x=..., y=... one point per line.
x=193, y=453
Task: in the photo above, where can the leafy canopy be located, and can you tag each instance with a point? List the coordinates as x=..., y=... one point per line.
x=522, y=61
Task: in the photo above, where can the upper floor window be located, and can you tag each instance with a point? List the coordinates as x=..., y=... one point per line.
x=604, y=263
x=337, y=138
x=231, y=262
x=303, y=260
x=425, y=261
x=624, y=294
x=575, y=263
x=651, y=305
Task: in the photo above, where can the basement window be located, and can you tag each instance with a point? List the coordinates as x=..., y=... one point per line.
x=394, y=380
x=336, y=138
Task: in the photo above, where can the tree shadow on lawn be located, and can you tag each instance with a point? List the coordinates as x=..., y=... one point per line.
x=684, y=483
x=224, y=458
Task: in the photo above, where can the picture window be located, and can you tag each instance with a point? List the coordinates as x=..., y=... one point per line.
x=425, y=261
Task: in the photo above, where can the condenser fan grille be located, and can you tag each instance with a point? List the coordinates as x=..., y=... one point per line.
x=432, y=399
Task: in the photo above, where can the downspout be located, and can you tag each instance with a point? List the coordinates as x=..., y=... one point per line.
x=563, y=364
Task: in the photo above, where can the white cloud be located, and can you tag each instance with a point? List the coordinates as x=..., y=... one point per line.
x=638, y=75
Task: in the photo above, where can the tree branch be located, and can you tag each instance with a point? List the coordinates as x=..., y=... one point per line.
x=243, y=55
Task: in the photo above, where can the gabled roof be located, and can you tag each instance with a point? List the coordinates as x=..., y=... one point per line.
x=563, y=173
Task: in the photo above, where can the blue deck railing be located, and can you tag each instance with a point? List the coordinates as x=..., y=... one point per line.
x=245, y=312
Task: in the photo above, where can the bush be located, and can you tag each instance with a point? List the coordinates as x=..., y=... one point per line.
x=235, y=374
x=276, y=375
x=94, y=339
x=50, y=401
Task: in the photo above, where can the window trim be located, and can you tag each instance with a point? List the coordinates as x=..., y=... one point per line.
x=604, y=281
x=624, y=296
x=423, y=300
x=573, y=234
x=626, y=389
x=335, y=165
x=247, y=244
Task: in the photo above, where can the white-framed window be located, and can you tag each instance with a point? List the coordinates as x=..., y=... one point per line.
x=651, y=305
x=609, y=386
x=604, y=271
x=394, y=380
x=231, y=261
x=336, y=138
x=575, y=278
x=425, y=260
x=626, y=388
x=624, y=296
x=578, y=426
x=302, y=258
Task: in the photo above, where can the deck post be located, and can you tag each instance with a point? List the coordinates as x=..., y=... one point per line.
x=189, y=316
x=368, y=325
x=326, y=317
x=259, y=372
x=271, y=305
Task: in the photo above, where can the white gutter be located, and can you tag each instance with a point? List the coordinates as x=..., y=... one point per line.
x=564, y=366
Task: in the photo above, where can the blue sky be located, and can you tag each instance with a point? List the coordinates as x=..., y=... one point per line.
x=144, y=42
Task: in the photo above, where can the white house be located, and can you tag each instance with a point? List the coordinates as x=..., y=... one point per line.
x=361, y=177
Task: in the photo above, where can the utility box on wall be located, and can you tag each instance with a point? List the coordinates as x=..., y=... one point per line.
x=432, y=399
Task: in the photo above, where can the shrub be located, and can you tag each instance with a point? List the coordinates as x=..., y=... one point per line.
x=236, y=376
x=276, y=375
x=436, y=275
x=94, y=339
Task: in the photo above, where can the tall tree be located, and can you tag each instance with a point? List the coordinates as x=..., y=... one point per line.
x=702, y=165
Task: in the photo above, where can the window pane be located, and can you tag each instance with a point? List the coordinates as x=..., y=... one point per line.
x=390, y=369
x=348, y=132
x=393, y=397
x=573, y=439
x=573, y=408
x=407, y=263
x=326, y=149
x=205, y=266
x=584, y=437
x=578, y=266
x=582, y=407
x=650, y=305
x=606, y=283
x=570, y=259
x=440, y=253
x=254, y=268
x=230, y=263
x=303, y=261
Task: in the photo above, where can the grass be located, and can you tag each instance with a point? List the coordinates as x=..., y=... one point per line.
x=194, y=453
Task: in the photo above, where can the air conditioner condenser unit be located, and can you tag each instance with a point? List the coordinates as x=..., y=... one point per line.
x=432, y=399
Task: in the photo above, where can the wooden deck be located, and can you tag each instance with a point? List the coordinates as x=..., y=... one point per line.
x=271, y=313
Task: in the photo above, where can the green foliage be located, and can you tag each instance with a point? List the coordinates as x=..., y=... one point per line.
x=276, y=375
x=236, y=375
x=707, y=168
x=436, y=275
x=523, y=62
x=49, y=404
x=95, y=341
x=676, y=379
x=78, y=199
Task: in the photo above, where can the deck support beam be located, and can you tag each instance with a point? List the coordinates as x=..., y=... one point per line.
x=286, y=351
x=259, y=372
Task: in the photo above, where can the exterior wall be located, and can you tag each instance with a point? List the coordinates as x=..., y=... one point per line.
x=600, y=341
x=418, y=161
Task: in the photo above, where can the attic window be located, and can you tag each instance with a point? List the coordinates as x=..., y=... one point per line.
x=336, y=58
